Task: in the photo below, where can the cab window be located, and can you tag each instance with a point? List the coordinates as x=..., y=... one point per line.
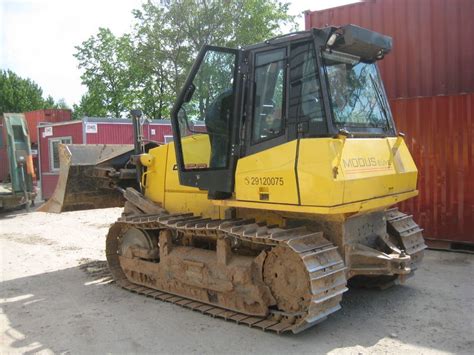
x=269, y=83
x=306, y=102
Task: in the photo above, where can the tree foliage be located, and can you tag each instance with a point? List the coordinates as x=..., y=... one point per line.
x=104, y=59
x=22, y=95
x=50, y=103
x=18, y=94
x=90, y=105
x=147, y=67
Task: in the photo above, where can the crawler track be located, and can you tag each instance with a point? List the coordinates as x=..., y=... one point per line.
x=408, y=233
x=408, y=236
x=324, y=267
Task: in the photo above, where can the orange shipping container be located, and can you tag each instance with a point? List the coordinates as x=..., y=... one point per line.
x=439, y=132
x=429, y=78
x=433, y=46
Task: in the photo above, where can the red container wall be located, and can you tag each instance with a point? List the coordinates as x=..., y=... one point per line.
x=158, y=131
x=439, y=133
x=433, y=46
x=110, y=133
x=49, y=178
x=122, y=133
x=53, y=115
x=4, y=169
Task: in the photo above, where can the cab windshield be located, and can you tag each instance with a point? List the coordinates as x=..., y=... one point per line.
x=356, y=95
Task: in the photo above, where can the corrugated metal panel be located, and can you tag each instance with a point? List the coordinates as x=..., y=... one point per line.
x=110, y=133
x=49, y=178
x=439, y=133
x=4, y=169
x=34, y=118
x=122, y=132
x=433, y=46
x=160, y=131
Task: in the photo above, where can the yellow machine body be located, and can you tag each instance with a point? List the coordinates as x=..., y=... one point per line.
x=277, y=192
x=313, y=175
x=162, y=181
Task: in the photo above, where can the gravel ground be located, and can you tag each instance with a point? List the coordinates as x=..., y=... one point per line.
x=50, y=304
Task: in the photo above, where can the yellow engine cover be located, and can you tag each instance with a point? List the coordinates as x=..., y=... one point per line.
x=327, y=172
x=162, y=180
x=336, y=171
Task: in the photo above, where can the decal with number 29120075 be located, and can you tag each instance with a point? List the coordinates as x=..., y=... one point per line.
x=264, y=180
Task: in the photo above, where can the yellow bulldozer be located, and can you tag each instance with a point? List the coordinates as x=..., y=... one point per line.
x=278, y=188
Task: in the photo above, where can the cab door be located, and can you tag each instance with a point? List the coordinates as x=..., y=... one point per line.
x=267, y=107
x=205, y=122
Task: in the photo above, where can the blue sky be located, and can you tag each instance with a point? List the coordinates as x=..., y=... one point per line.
x=37, y=37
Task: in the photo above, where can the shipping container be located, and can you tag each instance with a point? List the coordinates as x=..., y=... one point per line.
x=50, y=135
x=429, y=78
x=433, y=46
x=89, y=130
x=120, y=131
x=4, y=170
x=34, y=118
x=439, y=133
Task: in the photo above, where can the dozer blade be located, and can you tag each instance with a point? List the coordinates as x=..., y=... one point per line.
x=88, y=175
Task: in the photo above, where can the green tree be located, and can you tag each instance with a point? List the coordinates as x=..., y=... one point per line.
x=61, y=104
x=104, y=60
x=147, y=68
x=231, y=23
x=169, y=36
x=50, y=103
x=18, y=94
x=91, y=105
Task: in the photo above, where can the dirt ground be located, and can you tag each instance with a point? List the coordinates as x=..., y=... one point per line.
x=50, y=304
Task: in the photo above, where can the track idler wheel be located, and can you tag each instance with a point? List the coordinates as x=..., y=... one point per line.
x=140, y=243
x=287, y=277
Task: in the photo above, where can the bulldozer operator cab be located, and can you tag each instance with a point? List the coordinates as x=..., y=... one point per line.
x=235, y=103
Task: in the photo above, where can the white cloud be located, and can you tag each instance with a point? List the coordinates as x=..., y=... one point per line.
x=37, y=37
